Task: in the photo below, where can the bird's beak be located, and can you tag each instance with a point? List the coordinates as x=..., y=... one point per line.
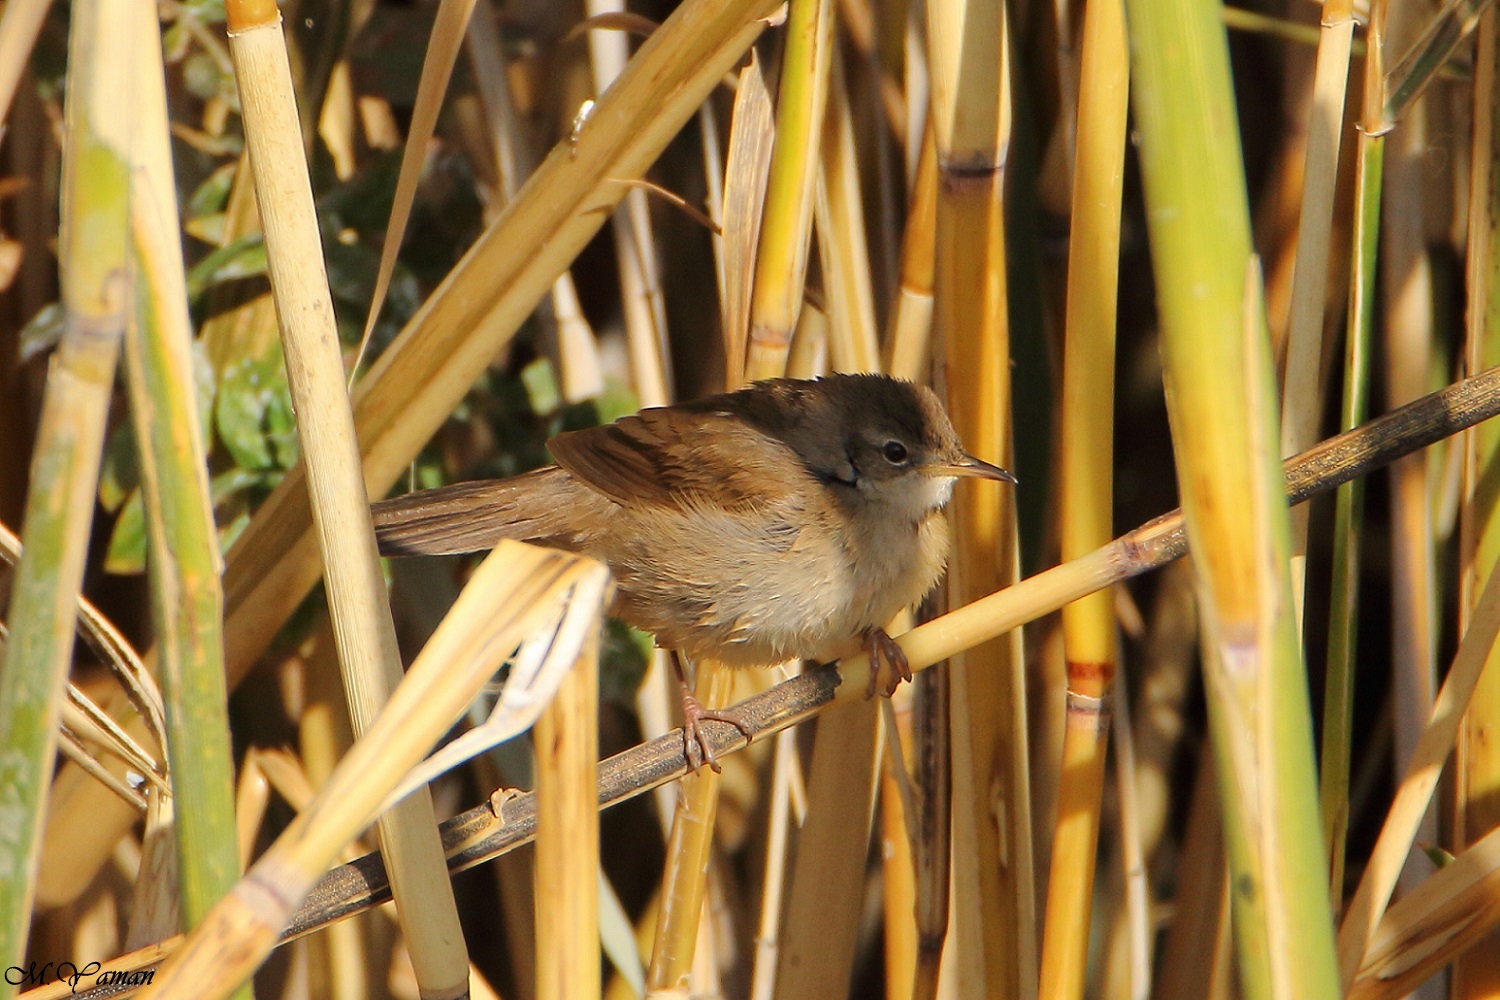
x=972, y=468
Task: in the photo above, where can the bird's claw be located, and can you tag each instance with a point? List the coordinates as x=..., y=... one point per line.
x=886, y=658
x=693, y=713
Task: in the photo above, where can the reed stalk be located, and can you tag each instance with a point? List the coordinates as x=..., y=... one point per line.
x=187, y=602
x=1338, y=704
x=20, y=24
x=567, y=836
x=908, y=339
x=689, y=847
x=508, y=821
x=1218, y=365
x=786, y=226
x=94, y=259
x=363, y=629
x=531, y=586
x=994, y=879
x=1476, y=763
x=1088, y=490
x=1302, y=391
x=1413, y=796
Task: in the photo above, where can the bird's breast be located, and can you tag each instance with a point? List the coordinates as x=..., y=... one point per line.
x=758, y=588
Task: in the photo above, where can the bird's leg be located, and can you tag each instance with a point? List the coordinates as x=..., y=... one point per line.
x=885, y=654
x=694, y=713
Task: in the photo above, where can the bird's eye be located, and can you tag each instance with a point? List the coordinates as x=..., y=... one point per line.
x=894, y=452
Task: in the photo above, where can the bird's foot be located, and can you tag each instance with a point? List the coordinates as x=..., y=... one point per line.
x=887, y=659
x=693, y=713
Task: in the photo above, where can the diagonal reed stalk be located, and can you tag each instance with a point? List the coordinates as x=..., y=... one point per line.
x=532, y=587
x=1413, y=796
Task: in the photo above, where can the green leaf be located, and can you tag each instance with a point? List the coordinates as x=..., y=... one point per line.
x=231, y=531
x=253, y=412
x=227, y=484
x=205, y=385
x=120, y=472
x=281, y=429
x=212, y=195
x=43, y=332
x=624, y=655
x=126, y=554
x=244, y=258
x=207, y=11
x=205, y=78
x=541, y=386
x=1439, y=857
x=616, y=401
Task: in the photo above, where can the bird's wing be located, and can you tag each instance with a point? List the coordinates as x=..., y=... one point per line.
x=671, y=456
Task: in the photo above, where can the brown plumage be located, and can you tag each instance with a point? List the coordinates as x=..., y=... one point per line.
x=793, y=518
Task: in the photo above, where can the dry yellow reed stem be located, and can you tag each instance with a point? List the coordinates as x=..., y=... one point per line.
x=1414, y=794
x=839, y=217
x=20, y=24
x=635, y=251
x=994, y=905
x=824, y=899
x=1302, y=394
x=689, y=849
x=909, y=338
x=363, y=629
x=567, y=836
x=786, y=227
x=437, y=66
x=1088, y=490
x=530, y=587
x=1446, y=915
x=786, y=791
x=751, y=136
x=898, y=871
x=1476, y=760
x=1405, y=308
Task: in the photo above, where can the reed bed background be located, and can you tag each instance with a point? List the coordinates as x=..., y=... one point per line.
x=1145, y=249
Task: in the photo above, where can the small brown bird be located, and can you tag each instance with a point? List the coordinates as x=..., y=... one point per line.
x=792, y=518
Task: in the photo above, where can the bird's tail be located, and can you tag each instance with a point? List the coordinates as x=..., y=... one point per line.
x=538, y=507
